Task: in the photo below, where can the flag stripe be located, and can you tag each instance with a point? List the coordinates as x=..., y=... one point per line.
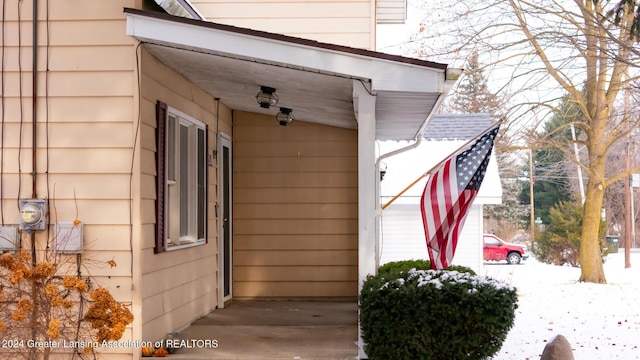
x=448, y=195
x=466, y=201
x=446, y=180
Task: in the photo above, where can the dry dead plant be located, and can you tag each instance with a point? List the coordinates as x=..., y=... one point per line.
x=45, y=309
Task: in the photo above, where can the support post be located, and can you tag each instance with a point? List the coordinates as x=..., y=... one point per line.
x=364, y=107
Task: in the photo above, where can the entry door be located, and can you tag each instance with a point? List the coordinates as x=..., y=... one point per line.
x=225, y=242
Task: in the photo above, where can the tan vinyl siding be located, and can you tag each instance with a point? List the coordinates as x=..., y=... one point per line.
x=297, y=289
x=349, y=23
x=97, y=109
x=177, y=286
x=85, y=130
x=72, y=9
x=295, y=215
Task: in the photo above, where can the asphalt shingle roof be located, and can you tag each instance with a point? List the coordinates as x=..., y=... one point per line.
x=451, y=127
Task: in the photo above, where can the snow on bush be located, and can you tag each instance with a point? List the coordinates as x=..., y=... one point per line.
x=435, y=314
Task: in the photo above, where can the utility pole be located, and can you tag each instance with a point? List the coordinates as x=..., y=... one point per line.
x=628, y=188
x=633, y=214
x=533, y=226
x=628, y=223
x=628, y=210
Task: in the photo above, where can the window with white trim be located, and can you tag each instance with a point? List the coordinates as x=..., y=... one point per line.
x=182, y=162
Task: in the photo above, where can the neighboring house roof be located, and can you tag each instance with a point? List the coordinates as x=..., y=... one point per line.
x=314, y=79
x=444, y=134
x=456, y=126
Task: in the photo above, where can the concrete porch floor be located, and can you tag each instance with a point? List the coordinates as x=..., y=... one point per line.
x=274, y=330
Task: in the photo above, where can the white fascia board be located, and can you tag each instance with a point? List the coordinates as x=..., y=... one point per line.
x=407, y=77
x=384, y=74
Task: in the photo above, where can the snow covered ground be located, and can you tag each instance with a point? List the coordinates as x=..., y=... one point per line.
x=601, y=322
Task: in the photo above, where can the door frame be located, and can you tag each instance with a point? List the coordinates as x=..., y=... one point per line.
x=224, y=140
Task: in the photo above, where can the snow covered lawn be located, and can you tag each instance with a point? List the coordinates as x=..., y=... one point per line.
x=600, y=321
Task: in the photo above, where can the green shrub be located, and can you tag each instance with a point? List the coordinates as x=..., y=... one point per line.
x=406, y=265
x=435, y=315
x=559, y=243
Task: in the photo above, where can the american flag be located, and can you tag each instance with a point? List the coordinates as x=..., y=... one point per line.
x=450, y=190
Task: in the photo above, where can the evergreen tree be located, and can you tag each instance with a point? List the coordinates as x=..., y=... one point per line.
x=472, y=95
x=551, y=178
x=619, y=11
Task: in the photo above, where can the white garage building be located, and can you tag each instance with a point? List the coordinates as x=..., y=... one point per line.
x=402, y=235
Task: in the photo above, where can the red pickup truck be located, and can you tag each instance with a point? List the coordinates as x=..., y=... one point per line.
x=496, y=249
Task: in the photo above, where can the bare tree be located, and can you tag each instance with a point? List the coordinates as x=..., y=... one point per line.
x=472, y=96
x=540, y=50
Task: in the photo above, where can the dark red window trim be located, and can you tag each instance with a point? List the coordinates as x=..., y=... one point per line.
x=161, y=137
x=161, y=177
x=206, y=184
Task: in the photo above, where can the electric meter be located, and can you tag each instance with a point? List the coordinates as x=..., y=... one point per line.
x=33, y=213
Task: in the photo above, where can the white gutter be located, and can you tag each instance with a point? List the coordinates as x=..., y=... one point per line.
x=451, y=77
x=417, y=141
x=385, y=73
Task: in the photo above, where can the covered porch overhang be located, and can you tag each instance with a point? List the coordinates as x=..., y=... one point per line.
x=384, y=97
x=314, y=79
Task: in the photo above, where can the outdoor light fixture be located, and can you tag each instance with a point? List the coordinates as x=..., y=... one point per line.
x=383, y=169
x=267, y=97
x=285, y=117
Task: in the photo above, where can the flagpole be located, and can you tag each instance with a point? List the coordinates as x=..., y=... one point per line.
x=407, y=188
x=440, y=163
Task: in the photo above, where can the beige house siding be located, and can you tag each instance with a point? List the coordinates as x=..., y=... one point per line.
x=176, y=286
x=96, y=142
x=295, y=211
x=349, y=23
x=85, y=134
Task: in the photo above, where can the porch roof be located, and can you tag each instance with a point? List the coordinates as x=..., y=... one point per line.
x=314, y=79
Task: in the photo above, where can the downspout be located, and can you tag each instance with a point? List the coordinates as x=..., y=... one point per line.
x=34, y=192
x=416, y=142
x=451, y=77
x=34, y=77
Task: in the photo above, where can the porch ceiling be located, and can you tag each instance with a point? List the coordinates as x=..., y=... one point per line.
x=314, y=79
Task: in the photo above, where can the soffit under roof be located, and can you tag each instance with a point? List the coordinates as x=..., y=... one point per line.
x=314, y=79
